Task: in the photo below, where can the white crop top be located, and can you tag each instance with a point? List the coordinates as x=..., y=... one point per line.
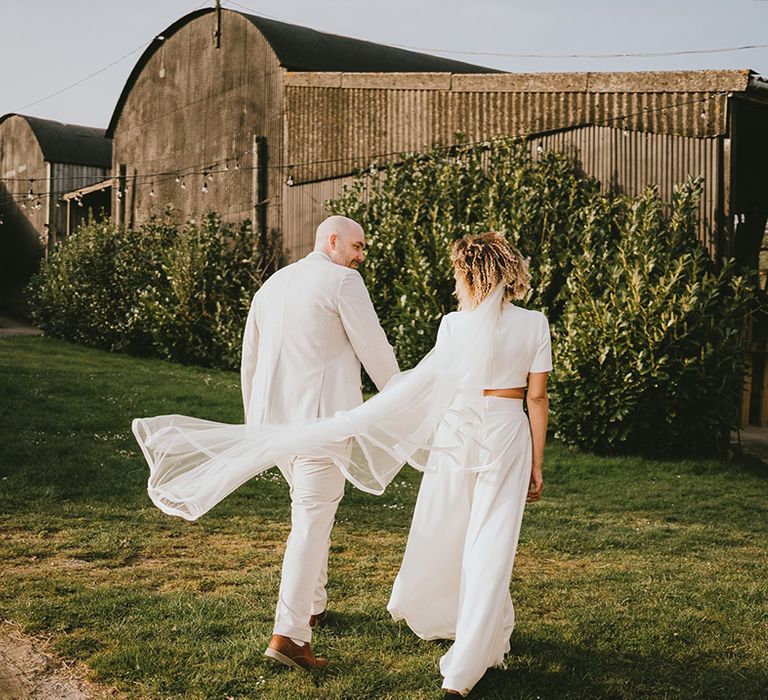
x=521, y=345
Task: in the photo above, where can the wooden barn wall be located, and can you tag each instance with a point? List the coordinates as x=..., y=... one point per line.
x=624, y=161
x=378, y=117
x=23, y=234
x=194, y=107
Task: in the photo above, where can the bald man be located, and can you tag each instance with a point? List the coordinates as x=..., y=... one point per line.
x=310, y=327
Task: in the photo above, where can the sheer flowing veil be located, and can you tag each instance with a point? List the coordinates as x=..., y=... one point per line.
x=195, y=463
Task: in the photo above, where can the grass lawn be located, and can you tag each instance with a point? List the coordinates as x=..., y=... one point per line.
x=633, y=578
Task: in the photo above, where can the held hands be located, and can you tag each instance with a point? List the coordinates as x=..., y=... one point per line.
x=536, y=485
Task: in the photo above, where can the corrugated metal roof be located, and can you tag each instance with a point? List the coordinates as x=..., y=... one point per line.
x=302, y=49
x=69, y=143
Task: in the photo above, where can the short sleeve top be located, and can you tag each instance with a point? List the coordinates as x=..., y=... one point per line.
x=521, y=345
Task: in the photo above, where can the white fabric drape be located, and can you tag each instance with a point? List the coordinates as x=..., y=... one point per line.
x=195, y=463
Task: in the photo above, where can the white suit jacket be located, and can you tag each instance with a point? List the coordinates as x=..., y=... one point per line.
x=309, y=327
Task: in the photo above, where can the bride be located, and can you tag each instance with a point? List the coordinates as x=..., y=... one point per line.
x=455, y=575
x=458, y=416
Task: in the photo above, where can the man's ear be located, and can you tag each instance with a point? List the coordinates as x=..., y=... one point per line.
x=332, y=239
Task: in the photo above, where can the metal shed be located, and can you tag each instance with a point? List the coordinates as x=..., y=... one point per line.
x=40, y=160
x=260, y=119
x=627, y=129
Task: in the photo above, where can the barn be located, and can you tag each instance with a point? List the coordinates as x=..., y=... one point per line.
x=260, y=119
x=40, y=160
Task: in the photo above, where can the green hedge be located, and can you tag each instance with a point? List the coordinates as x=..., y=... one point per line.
x=649, y=353
x=413, y=214
x=177, y=292
x=648, y=332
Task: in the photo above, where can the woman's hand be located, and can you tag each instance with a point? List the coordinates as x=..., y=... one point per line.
x=536, y=485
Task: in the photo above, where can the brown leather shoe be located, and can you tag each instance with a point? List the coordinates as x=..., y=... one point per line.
x=317, y=620
x=282, y=649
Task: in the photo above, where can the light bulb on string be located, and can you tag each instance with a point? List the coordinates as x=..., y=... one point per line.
x=177, y=179
x=226, y=167
x=152, y=191
x=30, y=194
x=204, y=188
x=119, y=194
x=79, y=201
x=289, y=181
x=183, y=185
x=237, y=164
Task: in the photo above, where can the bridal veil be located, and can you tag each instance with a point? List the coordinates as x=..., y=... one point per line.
x=195, y=463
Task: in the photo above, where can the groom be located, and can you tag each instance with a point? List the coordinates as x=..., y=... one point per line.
x=309, y=327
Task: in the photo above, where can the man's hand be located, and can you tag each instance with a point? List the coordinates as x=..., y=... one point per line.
x=536, y=485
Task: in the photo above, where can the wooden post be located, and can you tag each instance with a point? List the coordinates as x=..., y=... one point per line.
x=121, y=180
x=259, y=188
x=217, y=31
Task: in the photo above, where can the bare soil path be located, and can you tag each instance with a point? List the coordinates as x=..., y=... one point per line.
x=29, y=671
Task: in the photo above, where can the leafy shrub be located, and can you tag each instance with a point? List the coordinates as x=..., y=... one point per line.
x=415, y=210
x=179, y=292
x=649, y=354
x=648, y=332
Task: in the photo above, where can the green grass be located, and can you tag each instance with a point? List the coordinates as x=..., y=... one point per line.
x=633, y=579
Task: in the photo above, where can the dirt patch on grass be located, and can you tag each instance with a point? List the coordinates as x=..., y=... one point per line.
x=29, y=671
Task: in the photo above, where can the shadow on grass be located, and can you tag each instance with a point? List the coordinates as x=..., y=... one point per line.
x=543, y=668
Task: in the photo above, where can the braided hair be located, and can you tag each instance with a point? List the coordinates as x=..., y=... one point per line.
x=481, y=262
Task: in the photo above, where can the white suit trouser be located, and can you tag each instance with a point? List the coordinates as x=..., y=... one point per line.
x=317, y=486
x=454, y=579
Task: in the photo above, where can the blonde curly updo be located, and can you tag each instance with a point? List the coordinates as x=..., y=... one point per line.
x=481, y=262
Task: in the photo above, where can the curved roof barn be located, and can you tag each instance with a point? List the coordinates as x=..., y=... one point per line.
x=69, y=143
x=308, y=50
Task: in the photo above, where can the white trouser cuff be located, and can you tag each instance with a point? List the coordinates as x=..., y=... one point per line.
x=296, y=633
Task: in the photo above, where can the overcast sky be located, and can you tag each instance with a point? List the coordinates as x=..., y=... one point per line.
x=47, y=45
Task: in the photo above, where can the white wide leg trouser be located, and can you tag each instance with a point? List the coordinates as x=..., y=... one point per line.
x=454, y=579
x=317, y=486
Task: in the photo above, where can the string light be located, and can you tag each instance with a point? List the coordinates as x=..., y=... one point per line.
x=204, y=188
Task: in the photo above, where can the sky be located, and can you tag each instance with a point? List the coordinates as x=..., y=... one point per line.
x=84, y=50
